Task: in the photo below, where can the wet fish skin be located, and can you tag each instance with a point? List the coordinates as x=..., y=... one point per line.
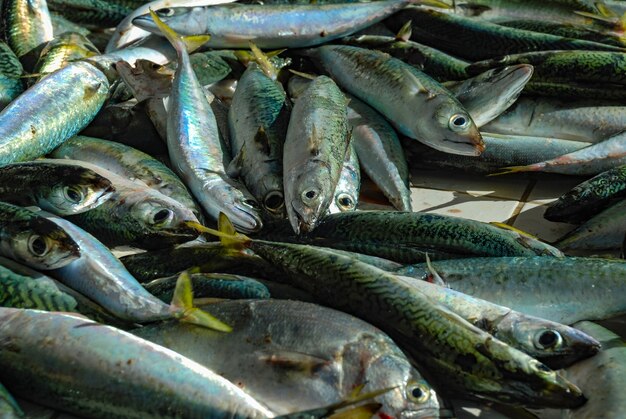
x=196, y=150
x=475, y=40
x=130, y=163
x=564, y=290
x=500, y=151
x=565, y=66
x=419, y=325
x=96, y=13
x=314, y=151
x=554, y=344
x=11, y=85
x=211, y=285
x=574, y=90
x=258, y=119
x=346, y=195
x=30, y=126
x=9, y=409
x=603, y=231
x=27, y=25
x=567, y=31
x=588, y=198
x=20, y=291
x=601, y=377
x=584, y=120
x=435, y=63
x=63, y=49
x=490, y=93
x=63, y=189
x=307, y=25
x=399, y=92
x=91, y=357
x=312, y=356
x=31, y=239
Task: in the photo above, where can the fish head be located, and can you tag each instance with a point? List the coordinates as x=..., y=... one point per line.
x=452, y=130
x=241, y=208
x=274, y=203
x=308, y=196
x=40, y=244
x=174, y=17
x=554, y=344
x=375, y=362
x=163, y=215
x=343, y=201
x=71, y=197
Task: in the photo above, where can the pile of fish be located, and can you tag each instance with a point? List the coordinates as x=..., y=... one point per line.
x=224, y=143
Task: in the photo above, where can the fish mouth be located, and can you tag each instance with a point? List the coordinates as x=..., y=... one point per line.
x=144, y=22
x=428, y=413
x=246, y=220
x=299, y=224
x=474, y=147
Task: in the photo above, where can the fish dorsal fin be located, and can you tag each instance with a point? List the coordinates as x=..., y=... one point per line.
x=292, y=360
x=262, y=141
x=405, y=32
x=417, y=85
x=304, y=75
x=314, y=142
x=436, y=278
x=234, y=167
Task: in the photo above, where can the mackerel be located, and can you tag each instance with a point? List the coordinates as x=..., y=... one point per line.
x=346, y=195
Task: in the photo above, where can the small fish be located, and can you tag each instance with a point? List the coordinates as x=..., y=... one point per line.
x=400, y=92
x=272, y=26
x=312, y=356
x=63, y=49
x=95, y=13
x=27, y=26
x=91, y=358
x=346, y=195
x=589, y=197
x=31, y=239
x=11, y=85
x=63, y=189
x=315, y=149
x=195, y=147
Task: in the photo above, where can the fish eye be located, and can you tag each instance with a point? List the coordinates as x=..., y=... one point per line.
x=166, y=12
x=38, y=245
x=417, y=393
x=345, y=202
x=162, y=215
x=459, y=122
x=251, y=203
x=309, y=195
x=547, y=339
x=274, y=201
x=73, y=194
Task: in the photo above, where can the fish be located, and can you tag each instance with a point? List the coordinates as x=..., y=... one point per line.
x=589, y=197
x=11, y=85
x=63, y=49
x=501, y=150
x=310, y=357
x=315, y=148
x=134, y=214
x=91, y=357
x=565, y=66
x=257, y=120
x=406, y=237
x=272, y=26
x=577, y=120
x=600, y=376
x=554, y=344
x=195, y=147
x=436, y=338
x=346, y=195
x=129, y=163
x=591, y=160
x=437, y=64
x=400, y=92
x=603, y=231
x=33, y=240
x=474, y=39
x=211, y=285
x=63, y=189
x=27, y=26
x=490, y=93
x=95, y=13
x=563, y=290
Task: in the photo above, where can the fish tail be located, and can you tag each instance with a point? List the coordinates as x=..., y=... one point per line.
x=180, y=43
x=226, y=232
x=512, y=169
x=263, y=61
x=184, y=311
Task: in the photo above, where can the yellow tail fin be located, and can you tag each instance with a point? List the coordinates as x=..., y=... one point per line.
x=511, y=169
x=184, y=311
x=190, y=43
x=226, y=232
